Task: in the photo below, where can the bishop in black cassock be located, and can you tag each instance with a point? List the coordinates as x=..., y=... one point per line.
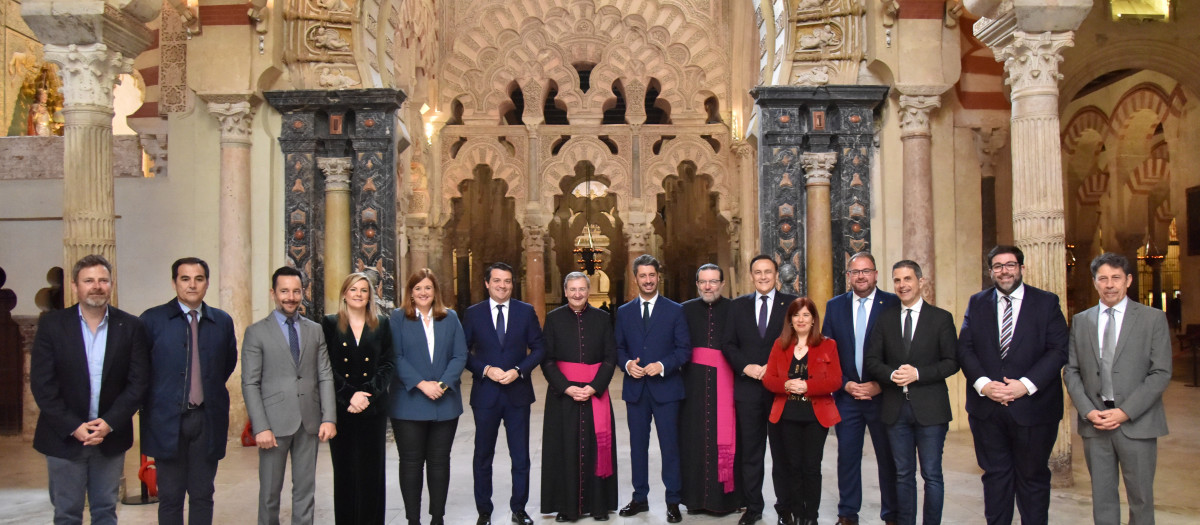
x=576, y=480
x=703, y=489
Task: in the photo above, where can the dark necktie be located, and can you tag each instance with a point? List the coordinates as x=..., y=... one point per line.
x=907, y=329
x=1006, y=327
x=762, y=317
x=646, y=315
x=196, y=392
x=500, y=323
x=293, y=340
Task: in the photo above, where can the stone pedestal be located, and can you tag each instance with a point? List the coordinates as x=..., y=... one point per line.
x=337, y=227
x=916, y=103
x=360, y=125
x=794, y=120
x=818, y=234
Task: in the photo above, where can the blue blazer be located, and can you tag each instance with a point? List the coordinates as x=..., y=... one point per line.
x=522, y=349
x=839, y=326
x=1038, y=352
x=167, y=396
x=666, y=340
x=413, y=365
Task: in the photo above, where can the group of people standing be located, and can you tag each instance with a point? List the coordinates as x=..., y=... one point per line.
x=721, y=380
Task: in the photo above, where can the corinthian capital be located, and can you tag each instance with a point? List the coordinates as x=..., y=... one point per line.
x=534, y=239
x=89, y=72
x=638, y=236
x=914, y=113
x=817, y=167
x=234, y=113
x=337, y=172
x=1031, y=60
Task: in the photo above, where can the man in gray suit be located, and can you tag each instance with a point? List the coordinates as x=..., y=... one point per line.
x=1118, y=368
x=285, y=369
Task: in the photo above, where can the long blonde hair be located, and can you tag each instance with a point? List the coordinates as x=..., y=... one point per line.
x=372, y=308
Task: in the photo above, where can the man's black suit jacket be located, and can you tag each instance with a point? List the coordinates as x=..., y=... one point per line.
x=59, y=379
x=743, y=346
x=931, y=353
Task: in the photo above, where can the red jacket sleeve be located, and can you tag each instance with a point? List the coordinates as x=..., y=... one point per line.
x=777, y=363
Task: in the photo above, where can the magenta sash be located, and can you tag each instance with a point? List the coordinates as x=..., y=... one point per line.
x=726, y=427
x=601, y=414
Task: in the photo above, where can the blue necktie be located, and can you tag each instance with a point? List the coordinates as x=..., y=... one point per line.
x=860, y=335
x=293, y=340
x=762, y=317
x=500, y=323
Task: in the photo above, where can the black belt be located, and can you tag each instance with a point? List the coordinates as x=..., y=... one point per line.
x=1110, y=404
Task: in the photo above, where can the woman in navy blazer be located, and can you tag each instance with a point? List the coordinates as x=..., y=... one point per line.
x=426, y=398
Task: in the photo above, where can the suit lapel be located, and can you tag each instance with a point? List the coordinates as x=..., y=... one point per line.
x=778, y=311
x=876, y=310
x=276, y=333
x=111, y=344
x=1093, y=317
x=1128, y=325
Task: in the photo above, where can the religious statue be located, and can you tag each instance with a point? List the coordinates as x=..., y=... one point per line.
x=40, y=123
x=324, y=37
x=817, y=76
x=820, y=38
x=335, y=79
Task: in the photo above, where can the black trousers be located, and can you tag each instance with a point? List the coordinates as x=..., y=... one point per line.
x=190, y=472
x=804, y=446
x=424, y=444
x=754, y=430
x=359, y=481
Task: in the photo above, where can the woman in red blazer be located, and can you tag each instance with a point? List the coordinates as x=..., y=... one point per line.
x=803, y=372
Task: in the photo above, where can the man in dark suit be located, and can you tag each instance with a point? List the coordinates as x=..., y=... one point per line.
x=285, y=367
x=185, y=423
x=1012, y=347
x=756, y=319
x=87, y=373
x=910, y=354
x=1118, y=367
x=849, y=319
x=652, y=347
x=505, y=343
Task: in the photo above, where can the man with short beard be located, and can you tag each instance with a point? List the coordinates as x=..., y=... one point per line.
x=706, y=416
x=87, y=372
x=1012, y=347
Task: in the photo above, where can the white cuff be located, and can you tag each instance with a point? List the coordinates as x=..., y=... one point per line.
x=979, y=383
x=1029, y=385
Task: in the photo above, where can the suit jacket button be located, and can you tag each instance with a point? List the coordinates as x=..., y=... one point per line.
x=347, y=376
x=346, y=359
x=364, y=374
x=367, y=359
x=343, y=343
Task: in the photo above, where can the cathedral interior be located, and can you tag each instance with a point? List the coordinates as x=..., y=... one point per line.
x=557, y=135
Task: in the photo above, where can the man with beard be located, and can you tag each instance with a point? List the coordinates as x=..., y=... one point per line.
x=579, y=452
x=849, y=320
x=285, y=366
x=88, y=373
x=707, y=415
x=1012, y=347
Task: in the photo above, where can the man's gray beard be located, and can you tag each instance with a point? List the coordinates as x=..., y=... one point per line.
x=93, y=302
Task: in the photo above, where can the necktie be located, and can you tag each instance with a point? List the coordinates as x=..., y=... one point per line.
x=1006, y=327
x=1108, y=347
x=762, y=317
x=293, y=340
x=500, y=323
x=907, y=329
x=196, y=392
x=646, y=315
x=860, y=334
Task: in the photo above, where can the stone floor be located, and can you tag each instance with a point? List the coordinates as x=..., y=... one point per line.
x=24, y=499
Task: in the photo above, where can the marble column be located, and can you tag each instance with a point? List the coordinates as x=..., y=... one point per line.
x=637, y=236
x=234, y=114
x=916, y=103
x=534, y=242
x=337, y=226
x=89, y=74
x=818, y=226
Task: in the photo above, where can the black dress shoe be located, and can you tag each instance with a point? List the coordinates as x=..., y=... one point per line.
x=437, y=520
x=521, y=517
x=673, y=515
x=750, y=518
x=484, y=519
x=600, y=516
x=634, y=508
x=785, y=519
x=846, y=520
x=562, y=518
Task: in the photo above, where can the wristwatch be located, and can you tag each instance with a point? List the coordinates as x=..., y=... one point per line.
x=443, y=386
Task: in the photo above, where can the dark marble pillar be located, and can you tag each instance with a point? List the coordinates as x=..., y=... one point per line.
x=794, y=120
x=361, y=124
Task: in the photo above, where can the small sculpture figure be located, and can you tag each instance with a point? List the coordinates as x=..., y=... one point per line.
x=334, y=6
x=39, y=123
x=809, y=4
x=324, y=37
x=820, y=38
x=817, y=76
x=335, y=79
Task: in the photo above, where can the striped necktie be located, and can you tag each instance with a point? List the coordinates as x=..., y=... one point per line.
x=1006, y=327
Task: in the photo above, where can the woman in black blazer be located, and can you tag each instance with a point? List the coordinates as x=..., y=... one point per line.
x=360, y=352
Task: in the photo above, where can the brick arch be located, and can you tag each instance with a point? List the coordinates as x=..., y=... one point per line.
x=479, y=150
x=1139, y=98
x=592, y=150
x=699, y=152
x=1150, y=175
x=1086, y=118
x=1092, y=189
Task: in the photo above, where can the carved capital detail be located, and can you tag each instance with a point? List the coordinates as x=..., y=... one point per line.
x=534, y=239
x=419, y=238
x=638, y=236
x=89, y=72
x=914, y=113
x=817, y=167
x=1031, y=60
x=337, y=172
x=234, y=114
x=988, y=144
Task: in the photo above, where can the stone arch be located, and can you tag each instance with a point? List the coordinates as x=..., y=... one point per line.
x=1178, y=62
x=1152, y=174
x=479, y=150
x=1093, y=189
x=1086, y=118
x=592, y=150
x=700, y=153
x=1143, y=97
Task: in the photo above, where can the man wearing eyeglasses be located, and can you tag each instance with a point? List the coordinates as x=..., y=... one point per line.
x=849, y=320
x=1012, y=347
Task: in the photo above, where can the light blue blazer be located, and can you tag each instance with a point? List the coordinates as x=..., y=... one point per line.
x=413, y=365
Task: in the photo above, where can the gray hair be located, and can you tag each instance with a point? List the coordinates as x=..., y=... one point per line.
x=576, y=275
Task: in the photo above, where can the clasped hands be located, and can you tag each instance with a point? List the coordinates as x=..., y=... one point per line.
x=359, y=402
x=1107, y=419
x=795, y=386
x=637, y=372
x=755, y=372
x=266, y=439
x=92, y=433
x=904, y=375
x=1004, y=392
x=862, y=391
x=503, y=377
x=580, y=393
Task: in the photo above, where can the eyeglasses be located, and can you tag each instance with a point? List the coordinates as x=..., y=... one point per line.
x=1011, y=265
x=710, y=282
x=856, y=273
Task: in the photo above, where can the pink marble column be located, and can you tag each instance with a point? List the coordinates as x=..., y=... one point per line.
x=915, y=106
x=534, y=243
